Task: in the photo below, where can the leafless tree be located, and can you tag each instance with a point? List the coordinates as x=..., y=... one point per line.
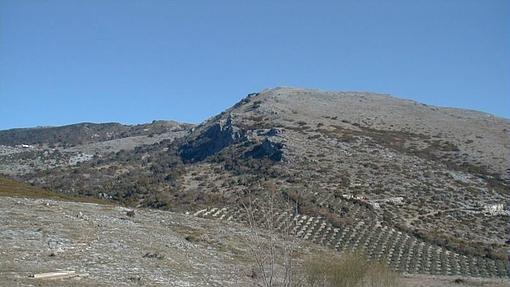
x=274, y=244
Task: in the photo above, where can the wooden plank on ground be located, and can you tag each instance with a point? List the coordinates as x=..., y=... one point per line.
x=56, y=275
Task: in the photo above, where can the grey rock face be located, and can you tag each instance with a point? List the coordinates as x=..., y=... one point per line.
x=269, y=149
x=216, y=137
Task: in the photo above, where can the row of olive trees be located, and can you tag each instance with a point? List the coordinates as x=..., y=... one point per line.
x=274, y=250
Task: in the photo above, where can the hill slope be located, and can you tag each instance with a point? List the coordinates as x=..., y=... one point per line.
x=82, y=133
x=437, y=173
x=106, y=247
x=359, y=161
x=33, y=149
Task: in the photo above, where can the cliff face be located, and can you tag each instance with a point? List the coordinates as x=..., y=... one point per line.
x=211, y=140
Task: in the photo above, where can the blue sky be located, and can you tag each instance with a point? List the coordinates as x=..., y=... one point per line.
x=70, y=61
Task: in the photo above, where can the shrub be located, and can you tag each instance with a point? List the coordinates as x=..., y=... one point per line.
x=348, y=270
x=379, y=274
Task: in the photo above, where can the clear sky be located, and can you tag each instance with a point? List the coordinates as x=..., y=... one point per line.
x=68, y=61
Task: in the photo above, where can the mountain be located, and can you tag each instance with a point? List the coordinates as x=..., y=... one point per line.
x=424, y=188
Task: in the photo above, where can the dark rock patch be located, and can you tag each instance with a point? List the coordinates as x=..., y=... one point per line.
x=268, y=149
x=212, y=140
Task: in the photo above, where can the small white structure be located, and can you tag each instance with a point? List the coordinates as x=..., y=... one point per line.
x=495, y=209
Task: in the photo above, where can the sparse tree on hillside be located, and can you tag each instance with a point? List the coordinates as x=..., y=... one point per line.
x=274, y=244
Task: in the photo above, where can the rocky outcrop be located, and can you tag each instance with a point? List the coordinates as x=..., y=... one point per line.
x=267, y=149
x=212, y=140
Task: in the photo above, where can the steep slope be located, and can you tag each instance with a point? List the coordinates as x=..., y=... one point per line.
x=438, y=173
x=462, y=137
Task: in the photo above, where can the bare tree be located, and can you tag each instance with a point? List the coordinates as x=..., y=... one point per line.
x=269, y=217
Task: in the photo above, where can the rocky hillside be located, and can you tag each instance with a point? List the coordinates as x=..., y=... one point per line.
x=439, y=174
x=34, y=149
x=435, y=180
x=83, y=133
x=100, y=245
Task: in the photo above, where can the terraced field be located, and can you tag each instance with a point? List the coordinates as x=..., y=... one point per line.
x=402, y=252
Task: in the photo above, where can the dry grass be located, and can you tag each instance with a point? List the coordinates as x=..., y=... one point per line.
x=348, y=270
